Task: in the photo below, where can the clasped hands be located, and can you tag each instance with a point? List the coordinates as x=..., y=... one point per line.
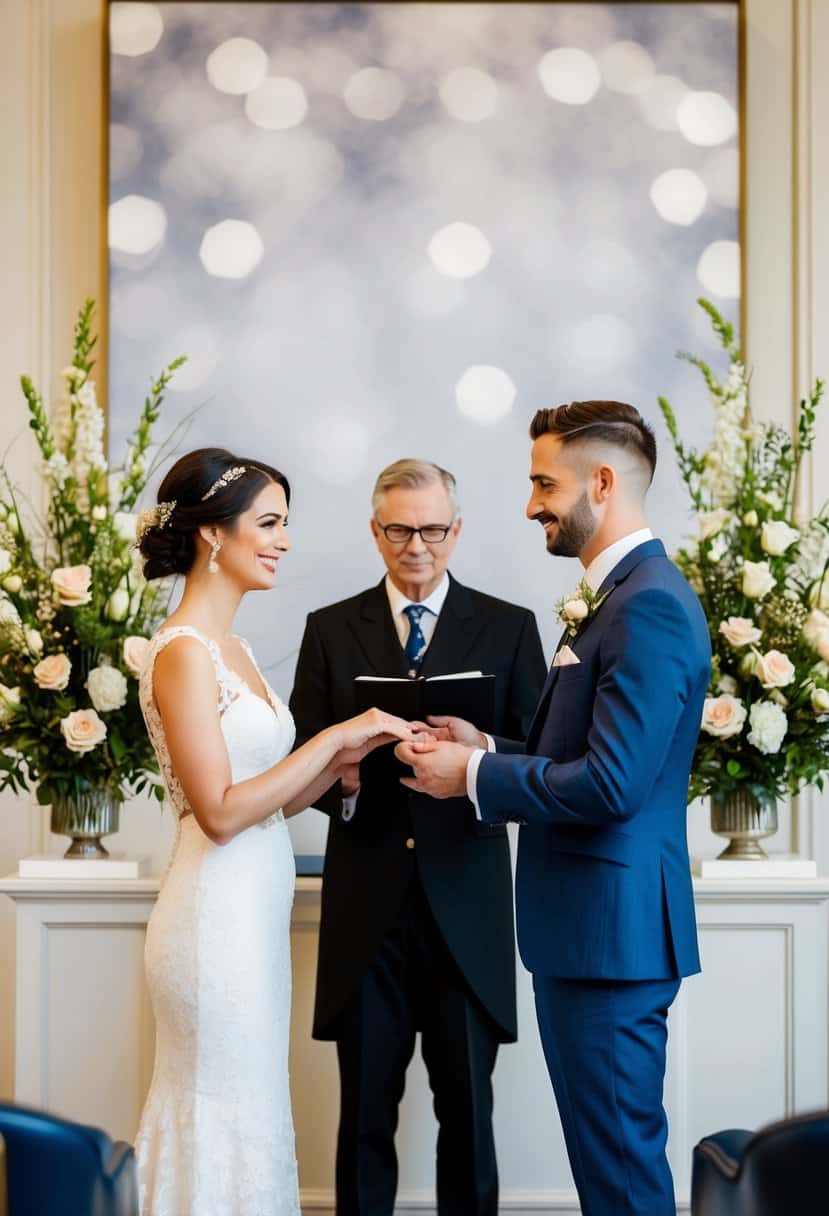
x=437, y=751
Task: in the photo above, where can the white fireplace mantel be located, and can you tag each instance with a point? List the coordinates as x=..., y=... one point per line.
x=749, y=1037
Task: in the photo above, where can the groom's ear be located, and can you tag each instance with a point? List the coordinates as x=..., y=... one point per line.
x=605, y=482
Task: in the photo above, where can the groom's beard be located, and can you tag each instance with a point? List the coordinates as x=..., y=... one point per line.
x=574, y=530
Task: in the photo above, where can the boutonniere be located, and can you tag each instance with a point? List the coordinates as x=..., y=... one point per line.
x=579, y=606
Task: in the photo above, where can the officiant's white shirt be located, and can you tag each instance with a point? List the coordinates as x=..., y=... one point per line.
x=595, y=574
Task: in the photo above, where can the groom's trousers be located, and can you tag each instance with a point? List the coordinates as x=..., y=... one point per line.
x=414, y=984
x=604, y=1042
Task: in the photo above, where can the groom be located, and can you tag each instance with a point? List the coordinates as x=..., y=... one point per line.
x=605, y=906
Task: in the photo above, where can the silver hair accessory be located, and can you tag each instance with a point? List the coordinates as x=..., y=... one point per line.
x=226, y=478
x=154, y=517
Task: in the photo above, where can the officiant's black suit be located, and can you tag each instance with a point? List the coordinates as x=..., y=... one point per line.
x=417, y=922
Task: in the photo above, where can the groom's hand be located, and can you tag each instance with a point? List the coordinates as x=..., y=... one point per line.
x=439, y=768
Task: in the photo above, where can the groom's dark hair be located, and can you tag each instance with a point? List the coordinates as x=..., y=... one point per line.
x=613, y=422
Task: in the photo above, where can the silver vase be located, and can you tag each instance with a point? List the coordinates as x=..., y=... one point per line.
x=86, y=817
x=745, y=819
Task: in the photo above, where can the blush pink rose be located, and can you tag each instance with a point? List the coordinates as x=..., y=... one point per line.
x=82, y=730
x=739, y=631
x=72, y=584
x=774, y=669
x=52, y=673
x=135, y=654
x=723, y=716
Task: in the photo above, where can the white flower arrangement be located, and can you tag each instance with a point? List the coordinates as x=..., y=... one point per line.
x=75, y=611
x=761, y=576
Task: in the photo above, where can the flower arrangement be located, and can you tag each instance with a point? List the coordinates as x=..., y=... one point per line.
x=760, y=571
x=75, y=611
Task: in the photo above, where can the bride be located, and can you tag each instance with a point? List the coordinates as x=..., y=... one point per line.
x=216, y=1135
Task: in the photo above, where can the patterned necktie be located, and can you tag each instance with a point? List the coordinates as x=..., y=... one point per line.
x=416, y=641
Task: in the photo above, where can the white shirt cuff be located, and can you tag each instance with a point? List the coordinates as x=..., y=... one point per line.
x=472, y=766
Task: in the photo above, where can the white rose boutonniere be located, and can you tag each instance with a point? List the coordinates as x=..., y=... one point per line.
x=578, y=607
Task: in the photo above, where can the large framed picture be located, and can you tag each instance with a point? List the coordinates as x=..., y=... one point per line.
x=386, y=230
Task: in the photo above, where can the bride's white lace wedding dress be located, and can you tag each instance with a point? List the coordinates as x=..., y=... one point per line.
x=216, y=1135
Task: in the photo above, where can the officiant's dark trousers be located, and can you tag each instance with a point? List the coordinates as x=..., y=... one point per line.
x=604, y=1042
x=415, y=985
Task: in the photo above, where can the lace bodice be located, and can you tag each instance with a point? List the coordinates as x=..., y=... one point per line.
x=257, y=735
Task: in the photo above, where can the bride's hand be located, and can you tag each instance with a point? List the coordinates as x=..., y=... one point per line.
x=374, y=727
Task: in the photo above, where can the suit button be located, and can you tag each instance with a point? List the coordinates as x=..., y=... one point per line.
x=410, y=843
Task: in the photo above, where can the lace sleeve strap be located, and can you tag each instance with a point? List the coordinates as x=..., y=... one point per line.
x=165, y=636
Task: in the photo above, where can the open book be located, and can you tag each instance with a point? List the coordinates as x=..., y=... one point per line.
x=465, y=694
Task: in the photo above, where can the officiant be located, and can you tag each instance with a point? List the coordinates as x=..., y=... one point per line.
x=416, y=928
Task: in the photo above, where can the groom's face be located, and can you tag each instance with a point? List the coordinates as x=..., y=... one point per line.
x=560, y=498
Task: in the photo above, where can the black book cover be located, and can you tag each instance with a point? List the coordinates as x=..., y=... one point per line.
x=461, y=696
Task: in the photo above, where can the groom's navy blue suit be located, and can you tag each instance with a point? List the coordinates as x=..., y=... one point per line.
x=605, y=905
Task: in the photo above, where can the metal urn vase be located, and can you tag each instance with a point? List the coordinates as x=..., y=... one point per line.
x=745, y=819
x=86, y=817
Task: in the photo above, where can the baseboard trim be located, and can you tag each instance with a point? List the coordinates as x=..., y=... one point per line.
x=320, y=1201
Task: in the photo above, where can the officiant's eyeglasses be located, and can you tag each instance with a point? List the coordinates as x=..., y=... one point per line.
x=432, y=534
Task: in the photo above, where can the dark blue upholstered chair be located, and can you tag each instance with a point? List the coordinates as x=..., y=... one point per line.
x=781, y=1170
x=57, y=1168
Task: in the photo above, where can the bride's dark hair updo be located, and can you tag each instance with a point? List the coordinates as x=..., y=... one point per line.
x=171, y=548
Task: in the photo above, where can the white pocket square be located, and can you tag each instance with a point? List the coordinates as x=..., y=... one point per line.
x=565, y=657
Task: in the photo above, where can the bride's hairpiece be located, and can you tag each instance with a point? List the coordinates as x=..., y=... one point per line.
x=226, y=478
x=154, y=517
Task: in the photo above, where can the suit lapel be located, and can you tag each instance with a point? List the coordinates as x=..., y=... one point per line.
x=649, y=548
x=376, y=635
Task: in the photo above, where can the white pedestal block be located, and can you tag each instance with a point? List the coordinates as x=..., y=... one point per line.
x=748, y=1038
x=117, y=865
x=779, y=865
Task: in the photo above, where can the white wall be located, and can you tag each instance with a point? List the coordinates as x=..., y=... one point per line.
x=51, y=148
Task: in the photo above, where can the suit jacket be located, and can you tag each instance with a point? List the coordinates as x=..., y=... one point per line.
x=463, y=865
x=603, y=885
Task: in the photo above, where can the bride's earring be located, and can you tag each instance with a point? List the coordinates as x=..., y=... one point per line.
x=213, y=565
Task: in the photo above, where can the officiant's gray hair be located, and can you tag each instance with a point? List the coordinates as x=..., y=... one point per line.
x=411, y=474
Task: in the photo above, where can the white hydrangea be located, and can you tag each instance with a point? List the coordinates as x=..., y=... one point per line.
x=768, y=727
x=107, y=688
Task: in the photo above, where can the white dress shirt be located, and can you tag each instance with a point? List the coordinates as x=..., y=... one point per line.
x=595, y=574
x=398, y=603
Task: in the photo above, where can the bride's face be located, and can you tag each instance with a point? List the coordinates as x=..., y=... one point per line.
x=251, y=552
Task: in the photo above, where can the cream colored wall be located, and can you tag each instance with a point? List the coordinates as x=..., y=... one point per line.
x=51, y=149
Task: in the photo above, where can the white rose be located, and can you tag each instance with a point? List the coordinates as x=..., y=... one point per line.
x=816, y=623
x=712, y=522
x=118, y=605
x=99, y=512
x=723, y=716
x=771, y=499
x=124, y=524
x=776, y=537
x=9, y=699
x=718, y=548
x=575, y=609
x=82, y=730
x=751, y=519
x=72, y=584
x=8, y=613
x=107, y=687
x=768, y=727
x=33, y=640
x=5, y=561
x=758, y=580
x=13, y=583
x=820, y=700
x=52, y=673
x=135, y=654
x=740, y=631
x=728, y=685
x=774, y=669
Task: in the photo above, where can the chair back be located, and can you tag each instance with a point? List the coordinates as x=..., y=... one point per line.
x=64, y=1168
